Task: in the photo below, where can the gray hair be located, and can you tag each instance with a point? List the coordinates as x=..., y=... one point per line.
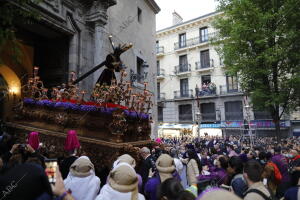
x=145, y=150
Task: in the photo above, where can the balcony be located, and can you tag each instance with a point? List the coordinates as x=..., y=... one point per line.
x=161, y=74
x=201, y=67
x=192, y=42
x=206, y=90
x=161, y=96
x=208, y=117
x=186, y=117
x=182, y=69
x=262, y=115
x=224, y=90
x=160, y=51
x=183, y=94
x=234, y=115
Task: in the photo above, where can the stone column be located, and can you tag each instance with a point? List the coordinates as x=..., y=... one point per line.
x=99, y=55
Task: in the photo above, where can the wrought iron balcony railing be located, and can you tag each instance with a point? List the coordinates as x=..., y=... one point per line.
x=160, y=50
x=208, y=117
x=193, y=41
x=161, y=72
x=183, y=94
x=182, y=68
x=224, y=90
x=234, y=115
x=200, y=65
x=161, y=96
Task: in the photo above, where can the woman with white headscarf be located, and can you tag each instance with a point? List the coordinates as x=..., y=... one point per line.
x=82, y=180
x=122, y=184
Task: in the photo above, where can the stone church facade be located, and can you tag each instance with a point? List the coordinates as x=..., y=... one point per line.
x=72, y=35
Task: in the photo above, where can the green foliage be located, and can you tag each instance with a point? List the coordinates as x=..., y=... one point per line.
x=259, y=40
x=12, y=11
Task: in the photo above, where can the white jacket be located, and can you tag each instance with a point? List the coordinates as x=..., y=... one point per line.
x=178, y=165
x=83, y=188
x=108, y=193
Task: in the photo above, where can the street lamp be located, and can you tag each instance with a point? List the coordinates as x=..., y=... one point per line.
x=198, y=116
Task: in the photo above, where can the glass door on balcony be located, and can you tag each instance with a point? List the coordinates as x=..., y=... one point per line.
x=158, y=67
x=203, y=34
x=183, y=63
x=204, y=59
x=234, y=110
x=232, y=84
x=158, y=90
x=184, y=87
x=208, y=112
x=185, y=113
x=160, y=115
x=182, y=40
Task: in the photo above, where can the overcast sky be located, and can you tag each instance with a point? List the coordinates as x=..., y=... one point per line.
x=188, y=9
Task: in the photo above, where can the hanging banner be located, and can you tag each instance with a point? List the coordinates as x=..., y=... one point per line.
x=254, y=124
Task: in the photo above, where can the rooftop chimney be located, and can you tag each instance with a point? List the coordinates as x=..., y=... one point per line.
x=177, y=19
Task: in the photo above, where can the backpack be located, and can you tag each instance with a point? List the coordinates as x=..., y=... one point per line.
x=260, y=193
x=277, y=173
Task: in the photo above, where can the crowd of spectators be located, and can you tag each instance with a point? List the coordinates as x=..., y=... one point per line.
x=171, y=169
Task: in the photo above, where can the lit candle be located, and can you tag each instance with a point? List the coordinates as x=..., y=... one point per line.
x=35, y=70
x=82, y=95
x=145, y=85
x=132, y=102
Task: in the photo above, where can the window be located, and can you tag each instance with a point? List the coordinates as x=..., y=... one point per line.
x=203, y=34
x=232, y=84
x=205, y=79
x=221, y=61
x=183, y=63
x=185, y=113
x=140, y=69
x=139, y=15
x=204, y=58
x=208, y=112
x=160, y=115
x=259, y=115
x=182, y=40
x=234, y=110
x=158, y=67
x=184, y=87
x=157, y=46
x=158, y=90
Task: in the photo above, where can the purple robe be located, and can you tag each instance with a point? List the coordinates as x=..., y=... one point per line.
x=152, y=185
x=218, y=174
x=282, y=165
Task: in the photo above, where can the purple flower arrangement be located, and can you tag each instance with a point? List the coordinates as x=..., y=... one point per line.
x=84, y=108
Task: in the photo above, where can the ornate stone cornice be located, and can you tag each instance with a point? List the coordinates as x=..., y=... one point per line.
x=153, y=5
x=98, y=11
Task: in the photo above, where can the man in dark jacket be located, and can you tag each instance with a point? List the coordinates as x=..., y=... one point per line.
x=147, y=164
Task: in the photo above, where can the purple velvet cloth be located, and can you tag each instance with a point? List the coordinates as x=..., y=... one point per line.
x=282, y=164
x=218, y=174
x=152, y=185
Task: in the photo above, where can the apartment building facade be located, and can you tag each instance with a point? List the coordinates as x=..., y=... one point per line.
x=192, y=85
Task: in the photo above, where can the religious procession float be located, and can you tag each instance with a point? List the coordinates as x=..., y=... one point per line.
x=113, y=121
